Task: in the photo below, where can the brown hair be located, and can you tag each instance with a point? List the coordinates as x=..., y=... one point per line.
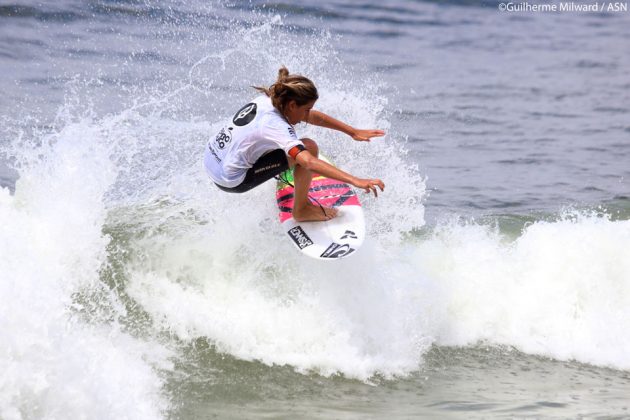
x=290, y=87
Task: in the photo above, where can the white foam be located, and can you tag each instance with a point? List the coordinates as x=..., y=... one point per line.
x=55, y=365
x=562, y=289
x=258, y=299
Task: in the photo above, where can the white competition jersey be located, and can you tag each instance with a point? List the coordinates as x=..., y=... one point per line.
x=257, y=128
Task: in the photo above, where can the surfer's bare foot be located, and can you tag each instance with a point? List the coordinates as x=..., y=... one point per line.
x=313, y=213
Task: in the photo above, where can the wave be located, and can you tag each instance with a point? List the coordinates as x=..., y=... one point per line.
x=119, y=252
x=105, y=203
x=560, y=289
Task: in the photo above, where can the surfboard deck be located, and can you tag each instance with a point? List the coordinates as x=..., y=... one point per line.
x=332, y=239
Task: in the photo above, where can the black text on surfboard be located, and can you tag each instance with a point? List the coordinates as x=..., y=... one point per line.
x=300, y=237
x=336, y=250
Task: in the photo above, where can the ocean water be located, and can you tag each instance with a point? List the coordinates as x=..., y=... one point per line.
x=495, y=281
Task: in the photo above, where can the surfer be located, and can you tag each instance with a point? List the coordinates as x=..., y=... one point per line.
x=260, y=143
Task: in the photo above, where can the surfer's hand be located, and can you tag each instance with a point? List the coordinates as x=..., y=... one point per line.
x=366, y=135
x=369, y=185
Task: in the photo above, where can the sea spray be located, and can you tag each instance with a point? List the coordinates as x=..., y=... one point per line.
x=205, y=264
x=55, y=364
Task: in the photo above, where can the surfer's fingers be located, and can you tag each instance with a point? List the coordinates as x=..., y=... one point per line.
x=366, y=135
x=375, y=133
x=378, y=183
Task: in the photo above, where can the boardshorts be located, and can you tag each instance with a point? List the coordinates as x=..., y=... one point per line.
x=265, y=168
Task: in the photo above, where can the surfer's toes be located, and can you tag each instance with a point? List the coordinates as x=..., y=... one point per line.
x=313, y=213
x=330, y=212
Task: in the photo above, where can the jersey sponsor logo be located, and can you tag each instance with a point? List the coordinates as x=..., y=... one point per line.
x=336, y=250
x=245, y=115
x=300, y=237
x=292, y=132
x=214, y=153
x=223, y=138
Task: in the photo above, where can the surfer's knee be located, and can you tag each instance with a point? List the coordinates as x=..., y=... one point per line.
x=311, y=146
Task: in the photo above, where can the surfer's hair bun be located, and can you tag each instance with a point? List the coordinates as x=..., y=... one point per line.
x=290, y=87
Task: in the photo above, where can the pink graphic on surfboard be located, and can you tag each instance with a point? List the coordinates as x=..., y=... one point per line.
x=332, y=239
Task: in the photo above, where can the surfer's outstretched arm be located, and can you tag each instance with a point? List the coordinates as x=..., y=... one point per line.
x=323, y=120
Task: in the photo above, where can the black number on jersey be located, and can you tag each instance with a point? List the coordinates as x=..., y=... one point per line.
x=223, y=138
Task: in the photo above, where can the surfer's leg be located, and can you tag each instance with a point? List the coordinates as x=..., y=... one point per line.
x=303, y=209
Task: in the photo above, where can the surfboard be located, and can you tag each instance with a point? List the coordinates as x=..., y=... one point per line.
x=332, y=239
